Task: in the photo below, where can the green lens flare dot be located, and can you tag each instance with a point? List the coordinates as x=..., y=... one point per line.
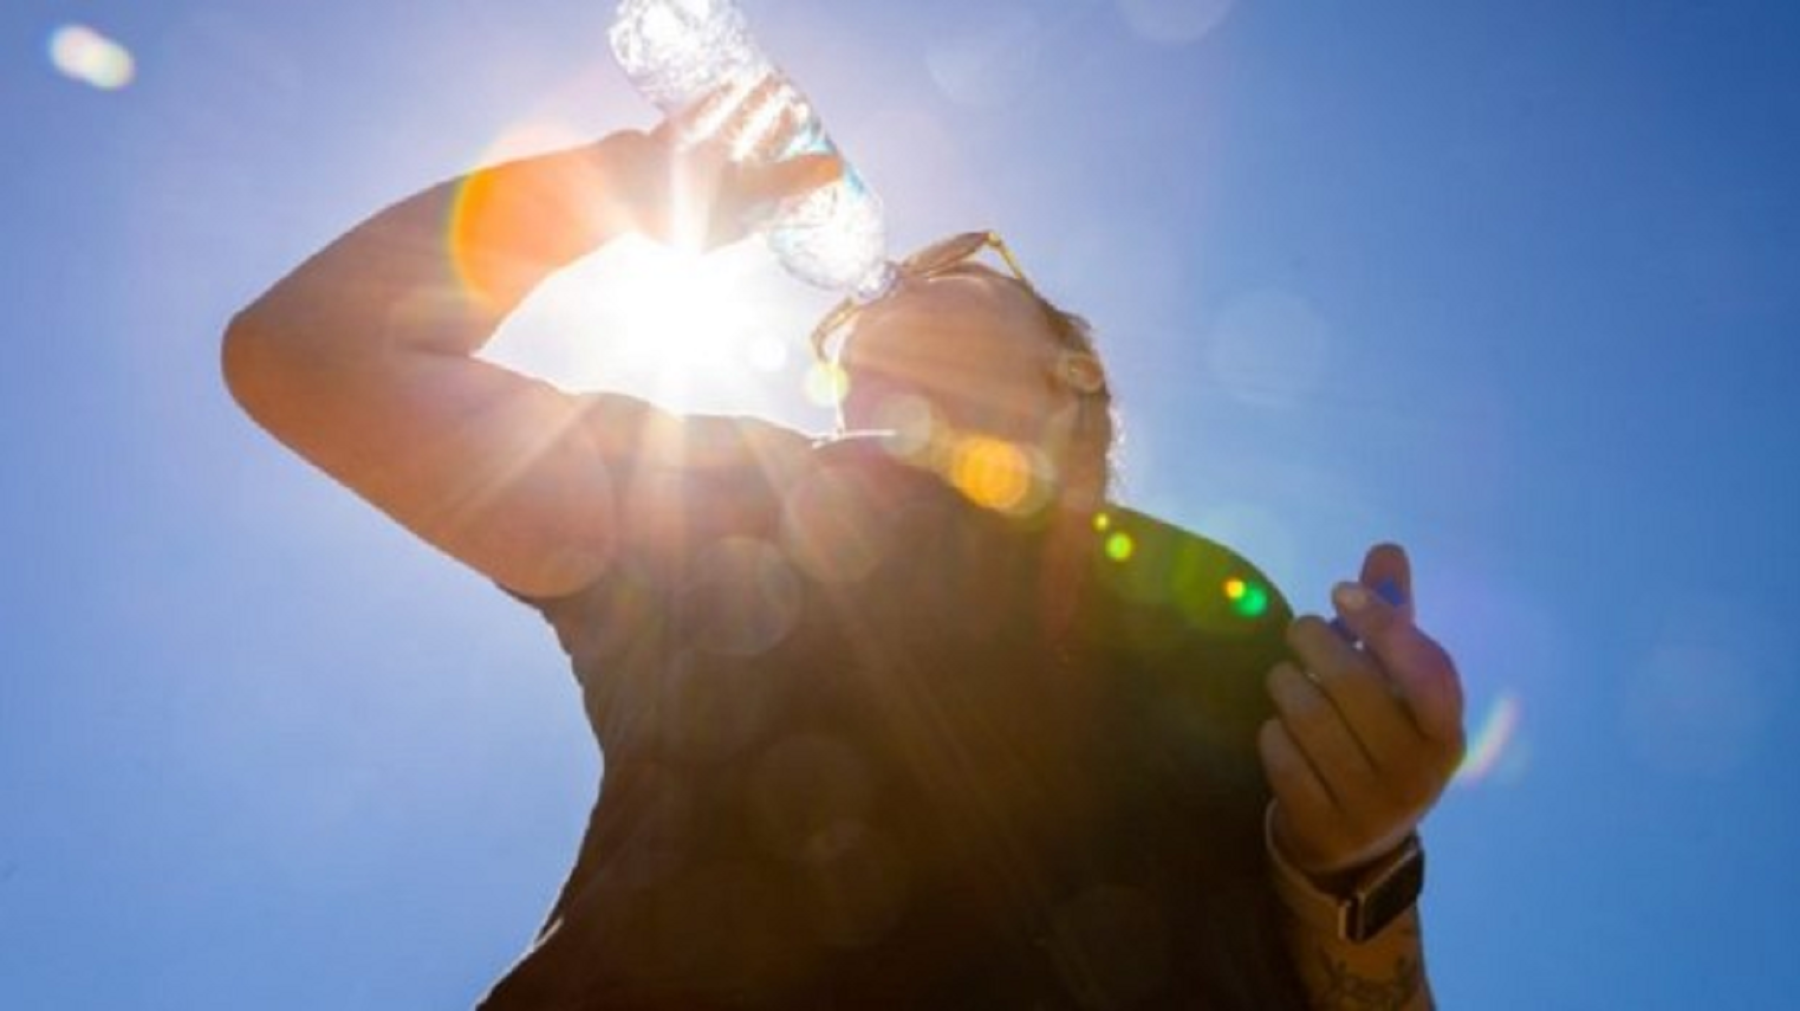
x=1248, y=600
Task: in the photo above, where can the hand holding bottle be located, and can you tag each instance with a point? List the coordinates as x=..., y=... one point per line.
x=696, y=60
x=689, y=191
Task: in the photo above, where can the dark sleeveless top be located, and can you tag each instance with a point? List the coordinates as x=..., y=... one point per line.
x=851, y=761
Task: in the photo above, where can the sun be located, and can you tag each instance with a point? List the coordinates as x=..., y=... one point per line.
x=675, y=309
x=720, y=332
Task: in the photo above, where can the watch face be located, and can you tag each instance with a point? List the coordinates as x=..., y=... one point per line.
x=1385, y=899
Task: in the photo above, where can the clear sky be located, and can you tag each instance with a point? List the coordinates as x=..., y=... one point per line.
x=1517, y=284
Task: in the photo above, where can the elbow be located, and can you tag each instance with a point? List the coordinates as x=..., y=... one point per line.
x=269, y=370
x=245, y=362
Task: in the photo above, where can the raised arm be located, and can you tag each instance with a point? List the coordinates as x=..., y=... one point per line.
x=1367, y=735
x=362, y=359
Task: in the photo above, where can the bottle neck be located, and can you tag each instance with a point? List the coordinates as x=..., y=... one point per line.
x=877, y=284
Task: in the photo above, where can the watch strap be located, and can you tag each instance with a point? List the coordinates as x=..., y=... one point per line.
x=1379, y=894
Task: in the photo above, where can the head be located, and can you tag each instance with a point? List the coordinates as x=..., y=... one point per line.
x=991, y=358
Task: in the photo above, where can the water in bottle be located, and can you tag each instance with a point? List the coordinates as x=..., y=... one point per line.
x=681, y=53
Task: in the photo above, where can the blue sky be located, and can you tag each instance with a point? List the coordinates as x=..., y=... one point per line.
x=1517, y=284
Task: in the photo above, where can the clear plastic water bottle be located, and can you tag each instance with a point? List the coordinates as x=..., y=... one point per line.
x=679, y=53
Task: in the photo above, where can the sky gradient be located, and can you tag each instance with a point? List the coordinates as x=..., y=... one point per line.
x=1516, y=284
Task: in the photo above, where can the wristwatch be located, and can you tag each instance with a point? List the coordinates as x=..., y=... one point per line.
x=1378, y=895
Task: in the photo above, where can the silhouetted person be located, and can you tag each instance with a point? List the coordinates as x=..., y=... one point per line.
x=908, y=717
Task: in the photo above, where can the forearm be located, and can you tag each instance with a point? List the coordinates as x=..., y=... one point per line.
x=440, y=270
x=1385, y=973
x=362, y=360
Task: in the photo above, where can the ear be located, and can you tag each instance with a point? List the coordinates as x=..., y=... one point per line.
x=1081, y=372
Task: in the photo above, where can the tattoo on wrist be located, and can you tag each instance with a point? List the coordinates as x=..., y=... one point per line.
x=1346, y=990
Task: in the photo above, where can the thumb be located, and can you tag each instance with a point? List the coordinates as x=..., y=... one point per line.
x=1388, y=571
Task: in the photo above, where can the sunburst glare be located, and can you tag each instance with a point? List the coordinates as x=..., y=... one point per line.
x=677, y=309
x=83, y=54
x=691, y=332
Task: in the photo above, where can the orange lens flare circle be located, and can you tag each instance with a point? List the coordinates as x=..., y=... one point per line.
x=507, y=219
x=992, y=473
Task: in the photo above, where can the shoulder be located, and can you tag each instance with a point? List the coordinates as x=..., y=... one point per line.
x=1147, y=563
x=1186, y=626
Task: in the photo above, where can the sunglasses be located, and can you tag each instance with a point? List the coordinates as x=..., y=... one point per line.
x=935, y=259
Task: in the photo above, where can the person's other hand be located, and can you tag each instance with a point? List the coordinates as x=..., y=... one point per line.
x=689, y=191
x=1367, y=734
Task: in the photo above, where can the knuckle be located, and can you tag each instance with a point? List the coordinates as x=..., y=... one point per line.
x=1304, y=632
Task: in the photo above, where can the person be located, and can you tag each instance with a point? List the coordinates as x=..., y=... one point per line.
x=917, y=718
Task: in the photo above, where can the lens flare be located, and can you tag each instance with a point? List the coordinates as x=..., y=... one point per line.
x=992, y=57
x=83, y=54
x=993, y=473
x=1174, y=22
x=499, y=211
x=1120, y=547
x=1248, y=600
x=826, y=384
x=910, y=425
x=1492, y=743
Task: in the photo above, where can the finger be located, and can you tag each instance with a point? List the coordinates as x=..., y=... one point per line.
x=1319, y=730
x=754, y=196
x=1388, y=573
x=1386, y=568
x=772, y=183
x=771, y=123
x=1420, y=671
x=1410, y=767
x=1362, y=694
x=703, y=121
x=1304, y=807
